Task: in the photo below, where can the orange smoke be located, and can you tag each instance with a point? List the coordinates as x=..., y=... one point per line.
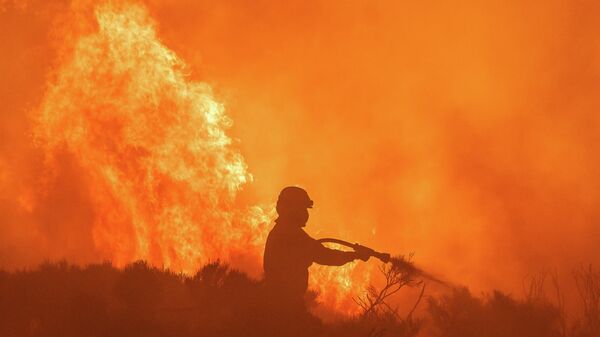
x=466, y=133
x=161, y=173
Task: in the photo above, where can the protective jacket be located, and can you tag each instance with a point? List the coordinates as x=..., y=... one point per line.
x=289, y=252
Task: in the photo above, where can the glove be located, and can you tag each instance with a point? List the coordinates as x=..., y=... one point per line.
x=362, y=252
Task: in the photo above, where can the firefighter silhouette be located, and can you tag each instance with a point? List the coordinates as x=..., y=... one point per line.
x=289, y=252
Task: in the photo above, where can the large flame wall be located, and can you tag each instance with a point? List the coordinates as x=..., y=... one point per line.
x=160, y=171
x=465, y=133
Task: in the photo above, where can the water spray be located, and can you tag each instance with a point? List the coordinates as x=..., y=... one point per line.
x=398, y=261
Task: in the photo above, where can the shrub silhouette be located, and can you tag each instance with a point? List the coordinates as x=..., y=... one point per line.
x=588, y=287
x=58, y=299
x=461, y=314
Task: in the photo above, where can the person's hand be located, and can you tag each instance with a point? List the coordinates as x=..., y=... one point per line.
x=362, y=253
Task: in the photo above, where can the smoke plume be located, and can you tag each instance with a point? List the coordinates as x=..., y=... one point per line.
x=465, y=133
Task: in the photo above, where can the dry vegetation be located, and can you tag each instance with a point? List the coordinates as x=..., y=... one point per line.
x=99, y=300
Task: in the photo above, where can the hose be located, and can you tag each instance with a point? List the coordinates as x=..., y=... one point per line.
x=384, y=257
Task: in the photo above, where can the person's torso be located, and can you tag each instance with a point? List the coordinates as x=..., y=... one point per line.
x=287, y=257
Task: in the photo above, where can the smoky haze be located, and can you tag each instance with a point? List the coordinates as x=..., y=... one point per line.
x=467, y=134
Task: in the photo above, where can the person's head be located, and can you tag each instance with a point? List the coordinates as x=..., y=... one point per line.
x=292, y=206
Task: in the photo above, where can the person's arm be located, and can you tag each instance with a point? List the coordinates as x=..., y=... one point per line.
x=331, y=257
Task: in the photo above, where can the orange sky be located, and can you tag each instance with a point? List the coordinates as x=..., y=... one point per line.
x=466, y=134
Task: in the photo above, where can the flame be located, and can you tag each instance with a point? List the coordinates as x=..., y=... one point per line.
x=162, y=173
x=440, y=133
x=337, y=286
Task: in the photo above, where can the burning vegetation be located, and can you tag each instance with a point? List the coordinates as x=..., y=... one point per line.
x=112, y=147
x=161, y=173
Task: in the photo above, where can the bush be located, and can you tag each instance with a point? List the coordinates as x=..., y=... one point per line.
x=58, y=299
x=498, y=315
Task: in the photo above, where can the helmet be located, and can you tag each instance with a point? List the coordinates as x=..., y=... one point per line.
x=293, y=197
